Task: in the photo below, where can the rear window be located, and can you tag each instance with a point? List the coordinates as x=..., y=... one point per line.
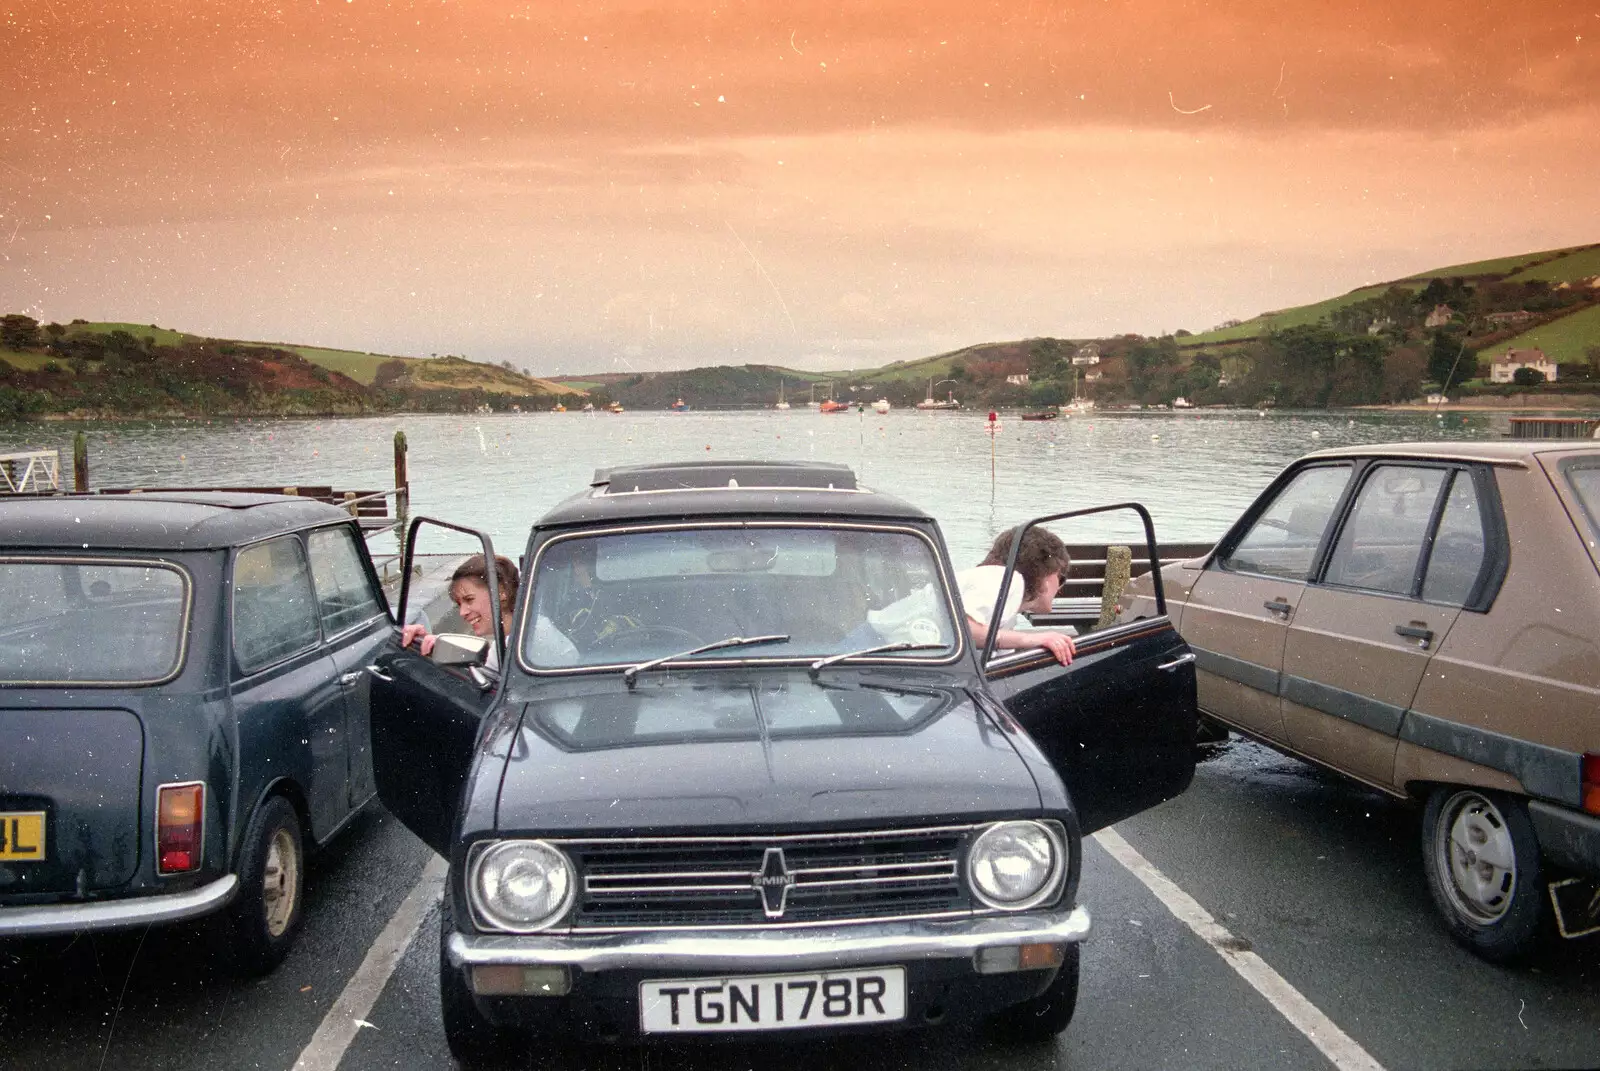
x=91, y=622
x=1585, y=481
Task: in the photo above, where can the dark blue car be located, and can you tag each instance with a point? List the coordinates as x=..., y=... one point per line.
x=183, y=709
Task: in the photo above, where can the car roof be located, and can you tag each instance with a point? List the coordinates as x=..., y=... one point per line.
x=710, y=489
x=157, y=520
x=1511, y=452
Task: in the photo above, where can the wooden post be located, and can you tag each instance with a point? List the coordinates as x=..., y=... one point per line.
x=80, y=463
x=1119, y=564
x=402, y=491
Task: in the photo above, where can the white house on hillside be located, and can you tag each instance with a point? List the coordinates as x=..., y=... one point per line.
x=1504, y=367
x=1440, y=316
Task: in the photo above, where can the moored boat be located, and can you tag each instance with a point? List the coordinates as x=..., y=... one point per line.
x=881, y=406
x=1049, y=414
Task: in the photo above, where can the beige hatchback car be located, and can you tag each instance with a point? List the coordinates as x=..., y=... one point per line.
x=1425, y=618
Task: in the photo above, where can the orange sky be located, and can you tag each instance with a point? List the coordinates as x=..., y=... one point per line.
x=630, y=184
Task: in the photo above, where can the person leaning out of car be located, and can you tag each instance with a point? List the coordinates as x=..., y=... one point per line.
x=469, y=590
x=1041, y=563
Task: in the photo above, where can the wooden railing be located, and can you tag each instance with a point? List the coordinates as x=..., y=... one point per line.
x=1093, y=586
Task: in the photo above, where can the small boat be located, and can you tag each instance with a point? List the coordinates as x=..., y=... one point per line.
x=881, y=406
x=588, y=407
x=558, y=408
x=781, y=403
x=615, y=407
x=1081, y=405
x=1050, y=414
x=679, y=406
x=1181, y=402
x=930, y=402
x=831, y=406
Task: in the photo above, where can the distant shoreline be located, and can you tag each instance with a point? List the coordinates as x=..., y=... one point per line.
x=1515, y=403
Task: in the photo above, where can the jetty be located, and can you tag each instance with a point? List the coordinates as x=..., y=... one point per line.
x=1541, y=427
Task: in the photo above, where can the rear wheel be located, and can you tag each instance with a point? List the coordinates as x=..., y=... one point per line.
x=473, y=1040
x=265, y=916
x=1483, y=867
x=1047, y=1014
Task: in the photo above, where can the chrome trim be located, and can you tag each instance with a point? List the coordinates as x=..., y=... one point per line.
x=1050, y=888
x=1181, y=660
x=831, y=947
x=155, y=829
x=810, y=924
x=42, y=920
x=941, y=567
x=145, y=563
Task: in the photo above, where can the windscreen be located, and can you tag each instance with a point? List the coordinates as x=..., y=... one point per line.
x=82, y=622
x=632, y=596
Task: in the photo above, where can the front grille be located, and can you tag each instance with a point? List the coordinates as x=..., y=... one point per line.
x=698, y=882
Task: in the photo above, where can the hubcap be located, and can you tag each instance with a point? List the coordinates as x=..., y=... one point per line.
x=280, y=882
x=1474, y=844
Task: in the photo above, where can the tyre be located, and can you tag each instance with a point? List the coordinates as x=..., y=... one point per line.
x=1047, y=1014
x=1483, y=868
x=474, y=1041
x=264, y=918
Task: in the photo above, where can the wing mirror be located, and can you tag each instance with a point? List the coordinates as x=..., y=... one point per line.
x=454, y=649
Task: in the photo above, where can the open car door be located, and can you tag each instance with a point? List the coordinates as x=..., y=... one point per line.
x=426, y=717
x=1119, y=722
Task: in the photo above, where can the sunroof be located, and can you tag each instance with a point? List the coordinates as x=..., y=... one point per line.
x=706, y=475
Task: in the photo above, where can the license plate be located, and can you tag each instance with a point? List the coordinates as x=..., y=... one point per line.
x=772, y=1001
x=22, y=836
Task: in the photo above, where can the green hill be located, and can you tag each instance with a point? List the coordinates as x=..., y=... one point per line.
x=124, y=369
x=1565, y=341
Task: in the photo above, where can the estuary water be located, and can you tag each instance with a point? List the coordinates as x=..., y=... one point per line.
x=1194, y=470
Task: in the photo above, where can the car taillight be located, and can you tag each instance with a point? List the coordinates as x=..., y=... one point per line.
x=180, y=810
x=1591, y=783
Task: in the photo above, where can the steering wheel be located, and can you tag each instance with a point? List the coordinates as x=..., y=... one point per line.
x=645, y=635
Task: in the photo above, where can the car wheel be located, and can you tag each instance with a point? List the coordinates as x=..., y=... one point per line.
x=1483, y=867
x=265, y=916
x=473, y=1040
x=1047, y=1014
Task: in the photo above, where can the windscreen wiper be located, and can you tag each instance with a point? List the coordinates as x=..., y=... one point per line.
x=632, y=672
x=822, y=663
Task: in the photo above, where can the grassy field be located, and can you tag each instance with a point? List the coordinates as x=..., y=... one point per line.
x=27, y=362
x=1298, y=316
x=1563, y=341
x=163, y=336
x=1568, y=269
x=360, y=367
x=1498, y=266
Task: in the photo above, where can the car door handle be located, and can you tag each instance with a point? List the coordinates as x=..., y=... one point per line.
x=1278, y=606
x=380, y=674
x=350, y=678
x=1416, y=631
x=1181, y=660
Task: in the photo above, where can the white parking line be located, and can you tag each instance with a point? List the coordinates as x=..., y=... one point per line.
x=348, y=1014
x=1339, y=1047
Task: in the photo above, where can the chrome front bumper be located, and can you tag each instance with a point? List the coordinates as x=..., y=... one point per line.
x=762, y=950
x=43, y=920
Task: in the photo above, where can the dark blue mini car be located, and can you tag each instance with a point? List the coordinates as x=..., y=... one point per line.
x=739, y=767
x=183, y=709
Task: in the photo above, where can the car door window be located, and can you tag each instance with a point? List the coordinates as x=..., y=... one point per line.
x=1458, y=547
x=274, y=612
x=345, y=597
x=1284, y=539
x=1585, y=483
x=1381, y=543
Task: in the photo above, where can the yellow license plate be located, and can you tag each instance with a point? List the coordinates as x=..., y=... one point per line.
x=22, y=836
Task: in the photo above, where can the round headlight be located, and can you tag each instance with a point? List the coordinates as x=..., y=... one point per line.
x=1013, y=864
x=522, y=885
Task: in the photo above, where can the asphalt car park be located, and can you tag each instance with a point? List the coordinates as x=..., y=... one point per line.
x=1315, y=875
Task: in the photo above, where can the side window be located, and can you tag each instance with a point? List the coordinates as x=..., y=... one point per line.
x=1381, y=542
x=344, y=591
x=1458, y=548
x=274, y=613
x=1284, y=540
